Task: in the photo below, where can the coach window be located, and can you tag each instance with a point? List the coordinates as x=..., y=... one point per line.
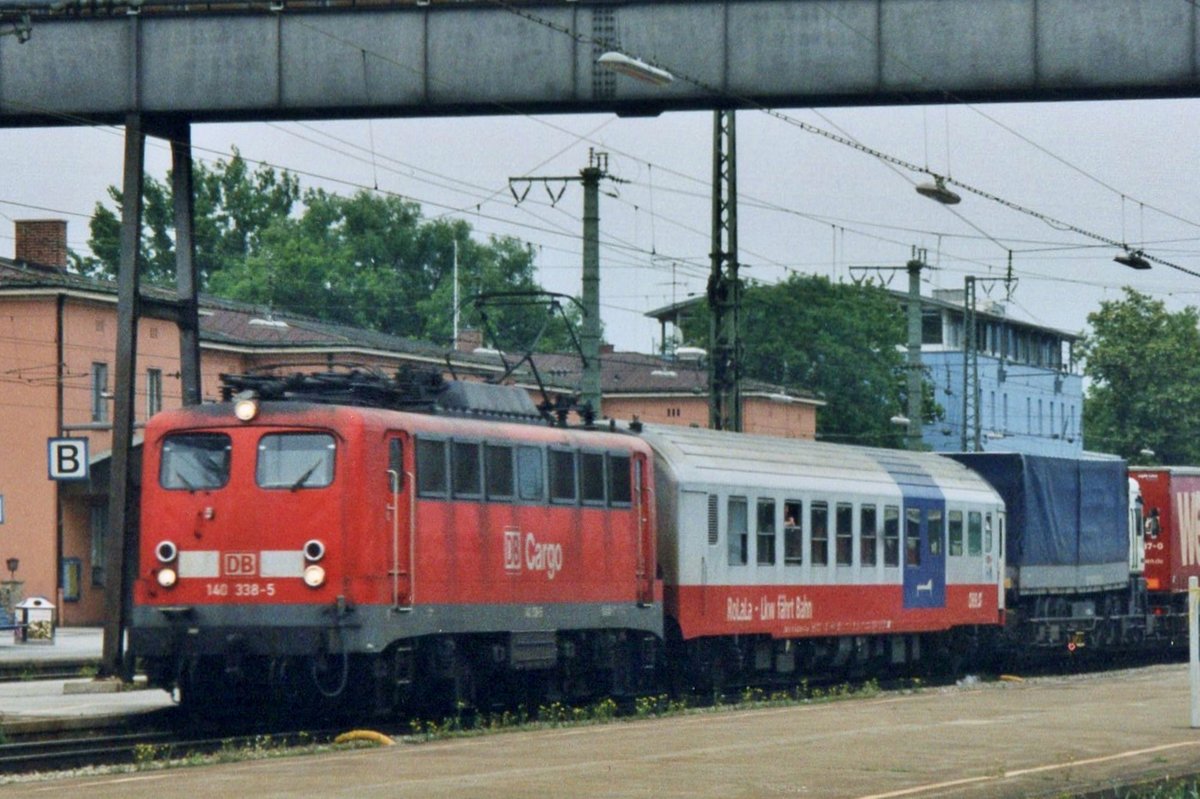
x=793, y=533
x=845, y=534
x=974, y=533
x=820, y=533
x=562, y=476
x=295, y=460
x=937, y=531
x=431, y=468
x=620, y=485
x=956, y=532
x=891, y=536
x=591, y=477
x=466, y=470
x=531, y=475
x=739, y=532
x=869, y=530
x=987, y=533
x=912, y=537
x=766, y=532
x=195, y=460
x=498, y=472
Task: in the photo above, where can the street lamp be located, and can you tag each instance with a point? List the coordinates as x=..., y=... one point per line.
x=635, y=68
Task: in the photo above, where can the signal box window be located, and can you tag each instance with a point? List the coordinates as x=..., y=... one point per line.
x=295, y=460
x=466, y=470
x=739, y=532
x=974, y=533
x=195, y=461
x=620, y=485
x=562, y=476
x=766, y=532
x=891, y=536
x=531, y=475
x=498, y=471
x=793, y=533
x=869, y=531
x=820, y=533
x=591, y=477
x=956, y=532
x=845, y=534
x=912, y=537
x=431, y=468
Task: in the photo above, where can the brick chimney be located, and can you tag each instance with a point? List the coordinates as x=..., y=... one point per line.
x=42, y=242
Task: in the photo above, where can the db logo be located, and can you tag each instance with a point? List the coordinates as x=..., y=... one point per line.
x=240, y=564
x=512, y=550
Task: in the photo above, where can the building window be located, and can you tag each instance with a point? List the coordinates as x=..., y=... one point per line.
x=153, y=391
x=99, y=525
x=100, y=392
x=738, y=537
x=766, y=532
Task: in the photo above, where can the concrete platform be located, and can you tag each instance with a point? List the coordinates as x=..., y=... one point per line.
x=1050, y=737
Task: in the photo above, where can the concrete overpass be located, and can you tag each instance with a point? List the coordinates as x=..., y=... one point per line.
x=217, y=61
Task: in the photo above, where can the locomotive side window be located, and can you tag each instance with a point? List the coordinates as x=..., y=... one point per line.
x=869, y=530
x=295, y=460
x=845, y=533
x=431, y=468
x=912, y=537
x=739, y=532
x=974, y=533
x=891, y=536
x=820, y=533
x=793, y=533
x=562, y=476
x=465, y=469
x=956, y=532
x=531, y=475
x=766, y=532
x=591, y=477
x=498, y=472
x=620, y=485
x=395, y=464
x=198, y=460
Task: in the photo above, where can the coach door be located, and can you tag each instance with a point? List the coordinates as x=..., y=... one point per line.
x=924, y=552
x=643, y=503
x=400, y=488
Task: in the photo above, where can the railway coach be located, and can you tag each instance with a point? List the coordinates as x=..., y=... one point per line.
x=785, y=559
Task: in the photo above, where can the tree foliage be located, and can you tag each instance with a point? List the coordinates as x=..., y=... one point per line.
x=366, y=260
x=840, y=341
x=1144, y=366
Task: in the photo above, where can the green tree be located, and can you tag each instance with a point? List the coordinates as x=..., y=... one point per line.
x=1144, y=366
x=233, y=207
x=840, y=341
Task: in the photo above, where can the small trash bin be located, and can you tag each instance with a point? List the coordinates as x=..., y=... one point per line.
x=35, y=617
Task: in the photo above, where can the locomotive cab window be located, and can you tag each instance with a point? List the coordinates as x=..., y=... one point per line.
x=395, y=469
x=295, y=460
x=194, y=461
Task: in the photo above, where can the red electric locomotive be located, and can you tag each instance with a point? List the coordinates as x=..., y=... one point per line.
x=1170, y=537
x=325, y=552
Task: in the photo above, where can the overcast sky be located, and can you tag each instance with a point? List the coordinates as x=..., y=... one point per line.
x=1127, y=171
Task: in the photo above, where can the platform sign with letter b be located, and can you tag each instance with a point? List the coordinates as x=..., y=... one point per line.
x=68, y=458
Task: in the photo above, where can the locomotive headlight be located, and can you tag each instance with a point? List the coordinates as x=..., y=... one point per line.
x=314, y=550
x=314, y=576
x=166, y=551
x=166, y=577
x=246, y=409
